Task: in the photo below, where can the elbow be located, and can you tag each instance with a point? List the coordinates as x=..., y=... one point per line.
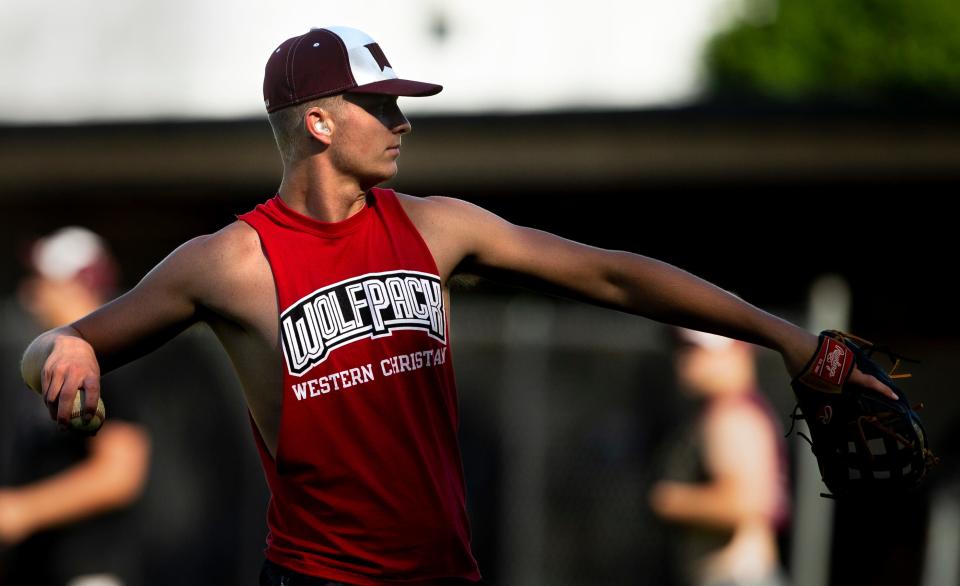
x=616, y=288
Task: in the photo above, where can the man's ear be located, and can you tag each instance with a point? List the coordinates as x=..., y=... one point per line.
x=319, y=124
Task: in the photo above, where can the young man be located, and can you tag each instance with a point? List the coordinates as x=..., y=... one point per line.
x=332, y=301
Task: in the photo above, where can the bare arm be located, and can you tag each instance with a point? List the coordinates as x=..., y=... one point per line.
x=111, y=477
x=474, y=240
x=615, y=279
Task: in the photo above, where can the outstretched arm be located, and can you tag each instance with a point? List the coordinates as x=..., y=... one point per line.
x=485, y=244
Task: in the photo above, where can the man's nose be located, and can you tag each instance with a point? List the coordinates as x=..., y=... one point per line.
x=403, y=128
x=398, y=122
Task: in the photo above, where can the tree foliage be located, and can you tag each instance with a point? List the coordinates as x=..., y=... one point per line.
x=860, y=50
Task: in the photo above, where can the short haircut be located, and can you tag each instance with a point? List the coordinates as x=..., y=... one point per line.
x=287, y=125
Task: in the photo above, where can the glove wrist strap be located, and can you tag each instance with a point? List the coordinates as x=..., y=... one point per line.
x=830, y=367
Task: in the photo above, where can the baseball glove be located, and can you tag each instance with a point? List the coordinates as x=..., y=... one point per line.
x=866, y=444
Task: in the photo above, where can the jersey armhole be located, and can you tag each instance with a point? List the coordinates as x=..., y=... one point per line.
x=394, y=199
x=251, y=220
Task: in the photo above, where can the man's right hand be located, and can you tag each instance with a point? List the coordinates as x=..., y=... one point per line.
x=70, y=364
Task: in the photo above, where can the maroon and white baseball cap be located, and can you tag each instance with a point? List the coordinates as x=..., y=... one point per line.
x=329, y=61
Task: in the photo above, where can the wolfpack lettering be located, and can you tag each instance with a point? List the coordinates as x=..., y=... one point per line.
x=369, y=306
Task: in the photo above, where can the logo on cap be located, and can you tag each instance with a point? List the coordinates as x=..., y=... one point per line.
x=378, y=55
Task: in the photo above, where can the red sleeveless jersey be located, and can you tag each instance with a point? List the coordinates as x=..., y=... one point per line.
x=367, y=484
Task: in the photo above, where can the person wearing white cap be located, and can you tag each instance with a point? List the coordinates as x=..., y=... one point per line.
x=332, y=300
x=724, y=486
x=67, y=508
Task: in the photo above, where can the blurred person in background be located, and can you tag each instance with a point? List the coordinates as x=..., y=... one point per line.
x=332, y=300
x=66, y=499
x=724, y=490
x=155, y=493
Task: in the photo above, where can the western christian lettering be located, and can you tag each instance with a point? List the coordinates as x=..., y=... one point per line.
x=334, y=382
x=369, y=306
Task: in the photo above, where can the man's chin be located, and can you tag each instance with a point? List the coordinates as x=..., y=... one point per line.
x=373, y=180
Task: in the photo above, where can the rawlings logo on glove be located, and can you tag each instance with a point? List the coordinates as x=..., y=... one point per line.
x=865, y=443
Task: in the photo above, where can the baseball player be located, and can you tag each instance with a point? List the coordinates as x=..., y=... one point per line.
x=332, y=301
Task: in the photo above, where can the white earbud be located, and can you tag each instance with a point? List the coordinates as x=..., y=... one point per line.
x=322, y=127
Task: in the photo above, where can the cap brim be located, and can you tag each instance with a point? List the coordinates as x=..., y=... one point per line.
x=399, y=87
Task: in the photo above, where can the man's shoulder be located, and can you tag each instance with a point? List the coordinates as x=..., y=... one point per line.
x=237, y=236
x=235, y=239
x=213, y=268
x=430, y=201
x=436, y=206
x=234, y=249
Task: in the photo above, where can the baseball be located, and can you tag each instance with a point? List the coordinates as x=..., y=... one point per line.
x=76, y=415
